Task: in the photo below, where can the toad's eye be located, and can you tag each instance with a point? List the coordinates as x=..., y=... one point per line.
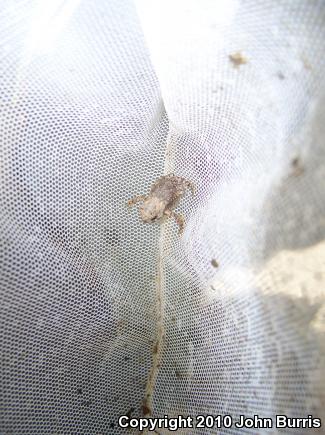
x=152, y=216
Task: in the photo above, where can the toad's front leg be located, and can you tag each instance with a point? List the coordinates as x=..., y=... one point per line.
x=190, y=186
x=178, y=218
x=136, y=199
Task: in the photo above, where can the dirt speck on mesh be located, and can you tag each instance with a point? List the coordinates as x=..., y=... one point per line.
x=297, y=167
x=238, y=59
x=146, y=410
x=214, y=263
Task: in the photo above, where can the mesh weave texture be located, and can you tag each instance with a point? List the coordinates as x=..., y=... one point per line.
x=99, y=99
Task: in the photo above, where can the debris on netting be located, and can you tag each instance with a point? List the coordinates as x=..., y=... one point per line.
x=214, y=263
x=238, y=59
x=297, y=167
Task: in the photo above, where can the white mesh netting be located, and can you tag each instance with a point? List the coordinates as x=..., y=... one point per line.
x=103, y=315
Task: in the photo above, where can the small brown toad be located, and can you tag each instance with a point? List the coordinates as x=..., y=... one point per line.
x=164, y=196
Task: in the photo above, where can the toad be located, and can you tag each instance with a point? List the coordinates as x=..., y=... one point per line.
x=163, y=198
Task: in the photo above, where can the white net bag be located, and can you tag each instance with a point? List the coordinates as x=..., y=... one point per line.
x=103, y=315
